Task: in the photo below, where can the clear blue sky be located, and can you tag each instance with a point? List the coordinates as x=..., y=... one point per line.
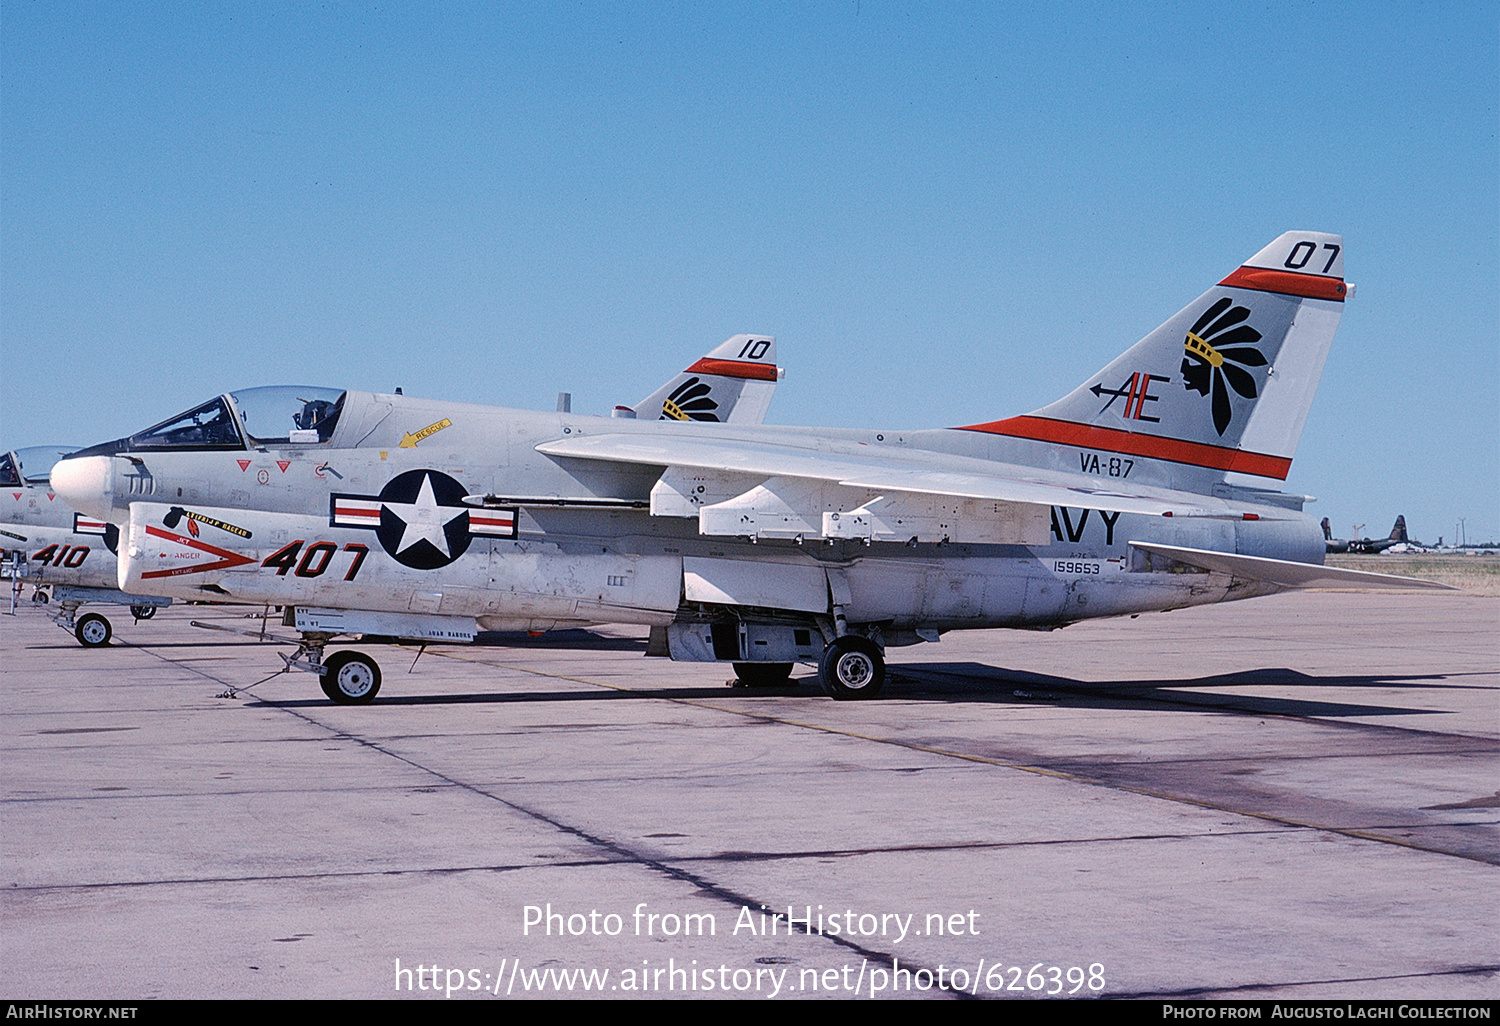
x=945, y=213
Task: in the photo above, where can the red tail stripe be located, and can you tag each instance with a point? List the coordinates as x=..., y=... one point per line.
x=734, y=369
x=1312, y=286
x=1175, y=450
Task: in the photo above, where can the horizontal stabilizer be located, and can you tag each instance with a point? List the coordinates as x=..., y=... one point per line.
x=1288, y=574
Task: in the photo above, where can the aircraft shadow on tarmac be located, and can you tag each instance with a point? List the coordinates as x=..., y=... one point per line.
x=980, y=683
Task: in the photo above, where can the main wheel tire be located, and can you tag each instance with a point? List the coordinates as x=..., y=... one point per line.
x=852, y=667
x=92, y=630
x=143, y=612
x=763, y=675
x=350, y=678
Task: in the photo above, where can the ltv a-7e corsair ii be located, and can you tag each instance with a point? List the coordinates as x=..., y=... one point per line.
x=1153, y=485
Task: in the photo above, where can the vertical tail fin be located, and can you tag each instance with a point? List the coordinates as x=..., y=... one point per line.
x=1398, y=533
x=1225, y=385
x=732, y=385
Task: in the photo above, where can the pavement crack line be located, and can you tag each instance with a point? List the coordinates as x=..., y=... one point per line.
x=720, y=857
x=624, y=852
x=1288, y=821
x=1250, y=988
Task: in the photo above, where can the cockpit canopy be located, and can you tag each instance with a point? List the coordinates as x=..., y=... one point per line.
x=288, y=414
x=253, y=417
x=31, y=465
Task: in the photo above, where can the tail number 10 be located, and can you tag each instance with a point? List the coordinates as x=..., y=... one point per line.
x=754, y=349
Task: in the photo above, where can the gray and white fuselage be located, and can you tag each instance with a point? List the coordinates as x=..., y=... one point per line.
x=1155, y=484
x=620, y=563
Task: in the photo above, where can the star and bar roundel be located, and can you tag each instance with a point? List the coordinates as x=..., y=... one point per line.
x=420, y=518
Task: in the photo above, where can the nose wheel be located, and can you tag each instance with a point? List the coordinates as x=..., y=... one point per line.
x=350, y=678
x=852, y=668
x=92, y=630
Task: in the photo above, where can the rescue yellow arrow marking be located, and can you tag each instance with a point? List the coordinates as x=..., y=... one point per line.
x=409, y=441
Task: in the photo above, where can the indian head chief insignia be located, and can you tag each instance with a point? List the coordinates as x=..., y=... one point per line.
x=690, y=401
x=1219, y=348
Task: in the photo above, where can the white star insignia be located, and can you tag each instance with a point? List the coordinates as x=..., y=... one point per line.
x=424, y=519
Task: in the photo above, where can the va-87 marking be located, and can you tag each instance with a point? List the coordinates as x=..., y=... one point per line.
x=1109, y=466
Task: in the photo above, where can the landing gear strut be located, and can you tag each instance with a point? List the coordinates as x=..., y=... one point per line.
x=348, y=678
x=91, y=629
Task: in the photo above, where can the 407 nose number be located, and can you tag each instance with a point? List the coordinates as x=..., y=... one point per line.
x=314, y=560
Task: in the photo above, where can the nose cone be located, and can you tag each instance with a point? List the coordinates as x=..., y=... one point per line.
x=86, y=483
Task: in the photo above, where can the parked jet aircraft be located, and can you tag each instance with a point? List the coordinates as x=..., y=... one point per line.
x=1370, y=545
x=68, y=556
x=1153, y=485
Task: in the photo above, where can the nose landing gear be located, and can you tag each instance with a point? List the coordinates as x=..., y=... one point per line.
x=347, y=678
x=92, y=630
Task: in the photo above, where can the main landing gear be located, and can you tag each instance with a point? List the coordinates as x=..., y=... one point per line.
x=851, y=668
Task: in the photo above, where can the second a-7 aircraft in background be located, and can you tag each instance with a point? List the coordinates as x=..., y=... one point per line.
x=1155, y=484
x=67, y=556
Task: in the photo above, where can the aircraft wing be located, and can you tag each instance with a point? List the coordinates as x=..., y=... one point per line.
x=1286, y=573
x=892, y=469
